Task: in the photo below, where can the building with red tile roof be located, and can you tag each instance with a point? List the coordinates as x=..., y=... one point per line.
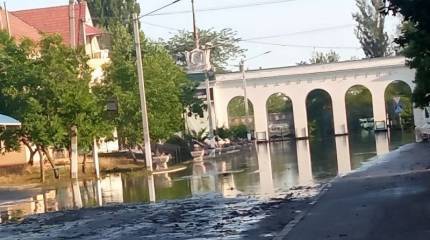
x=56, y=20
x=17, y=27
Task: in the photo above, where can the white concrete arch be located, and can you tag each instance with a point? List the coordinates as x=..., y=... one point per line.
x=250, y=106
x=346, y=95
x=298, y=81
x=326, y=91
x=288, y=99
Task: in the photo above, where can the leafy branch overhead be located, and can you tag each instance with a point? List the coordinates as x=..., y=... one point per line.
x=370, y=28
x=415, y=39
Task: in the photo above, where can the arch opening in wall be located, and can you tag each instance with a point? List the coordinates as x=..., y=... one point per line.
x=237, y=115
x=398, y=104
x=359, y=109
x=319, y=109
x=280, y=116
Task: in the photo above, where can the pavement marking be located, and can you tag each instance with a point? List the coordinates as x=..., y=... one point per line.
x=287, y=229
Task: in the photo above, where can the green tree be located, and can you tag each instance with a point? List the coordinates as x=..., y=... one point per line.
x=358, y=101
x=320, y=113
x=164, y=86
x=236, y=107
x=279, y=103
x=225, y=46
x=414, y=39
x=108, y=12
x=370, y=28
x=322, y=58
x=46, y=87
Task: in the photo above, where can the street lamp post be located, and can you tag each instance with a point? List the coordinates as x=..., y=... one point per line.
x=244, y=86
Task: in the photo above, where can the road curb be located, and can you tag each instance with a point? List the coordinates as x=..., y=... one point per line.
x=287, y=229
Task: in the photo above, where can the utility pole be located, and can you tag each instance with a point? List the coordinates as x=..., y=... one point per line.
x=245, y=97
x=144, y=111
x=195, y=30
x=7, y=19
x=72, y=23
x=206, y=51
x=244, y=86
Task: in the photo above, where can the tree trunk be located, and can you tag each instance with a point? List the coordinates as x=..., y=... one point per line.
x=41, y=163
x=51, y=162
x=30, y=149
x=132, y=154
x=84, y=163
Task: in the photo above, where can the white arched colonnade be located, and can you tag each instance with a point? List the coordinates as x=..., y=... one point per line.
x=298, y=81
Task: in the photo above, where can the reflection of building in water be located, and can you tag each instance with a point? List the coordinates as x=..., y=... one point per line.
x=65, y=197
x=343, y=155
x=111, y=187
x=265, y=169
x=76, y=193
x=227, y=185
x=204, y=178
x=304, y=162
x=40, y=203
x=163, y=180
x=382, y=144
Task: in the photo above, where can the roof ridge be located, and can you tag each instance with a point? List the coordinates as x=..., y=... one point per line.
x=40, y=8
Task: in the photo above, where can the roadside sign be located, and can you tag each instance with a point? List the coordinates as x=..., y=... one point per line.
x=398, y=108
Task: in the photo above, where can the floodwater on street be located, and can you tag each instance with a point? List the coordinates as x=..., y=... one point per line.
x=255, y=175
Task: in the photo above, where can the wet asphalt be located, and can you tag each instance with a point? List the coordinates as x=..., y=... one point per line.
x=387, y=201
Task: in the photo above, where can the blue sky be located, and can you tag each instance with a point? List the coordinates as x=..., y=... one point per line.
x=273, y=19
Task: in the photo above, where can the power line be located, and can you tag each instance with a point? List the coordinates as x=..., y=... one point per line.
x=300, y=32
x=160, y=26
x=158, y=9
x=302, y=46
x=223, y=8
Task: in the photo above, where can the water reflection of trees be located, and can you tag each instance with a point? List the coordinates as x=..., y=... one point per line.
x=320, y=114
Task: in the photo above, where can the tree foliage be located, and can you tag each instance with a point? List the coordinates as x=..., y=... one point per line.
x=415, y=39
x=322, y=58
x=46, y=87
x=279, y=103
x=320, y=113
x=370, y=28
x=358, y=101
x=164, y=84
x=225, y=46
x=108, y=12
x=236, y=107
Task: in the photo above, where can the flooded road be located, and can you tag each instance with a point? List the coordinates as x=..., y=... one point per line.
x=230, y=188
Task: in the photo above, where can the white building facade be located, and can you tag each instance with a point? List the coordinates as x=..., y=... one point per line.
x=298, y=81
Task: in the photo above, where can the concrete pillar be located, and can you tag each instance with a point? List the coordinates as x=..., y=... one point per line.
x=304, y=162
x=300, y=117
x=265, y=170
x=260, y=118
x=343, y=155
x=221, y=111
x=378, y=103
x=339, y=114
